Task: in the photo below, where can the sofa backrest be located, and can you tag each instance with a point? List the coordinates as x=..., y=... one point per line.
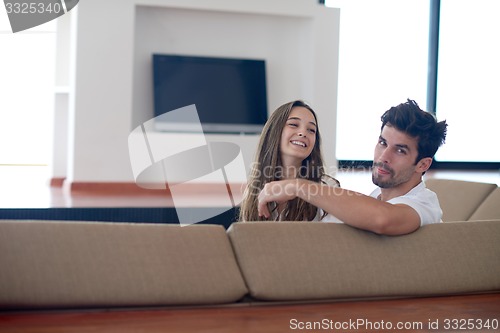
x=90, y=264
x=296, y=261
x=460, y=199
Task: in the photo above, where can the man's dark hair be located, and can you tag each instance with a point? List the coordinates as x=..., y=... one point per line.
x=410, y=119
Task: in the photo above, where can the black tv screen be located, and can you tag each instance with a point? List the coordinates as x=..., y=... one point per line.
x=230, y=94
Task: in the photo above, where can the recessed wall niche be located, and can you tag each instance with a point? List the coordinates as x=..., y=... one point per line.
x=300, y=49
x=110, y=88
x=285, y=42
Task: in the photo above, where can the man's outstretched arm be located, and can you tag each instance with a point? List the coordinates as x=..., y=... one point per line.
x=355, y=209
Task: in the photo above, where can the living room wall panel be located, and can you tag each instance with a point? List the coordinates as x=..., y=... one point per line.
x=110, y=90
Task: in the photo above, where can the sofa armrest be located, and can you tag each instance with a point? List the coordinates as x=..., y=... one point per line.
x=459, y=199
x=489, y=209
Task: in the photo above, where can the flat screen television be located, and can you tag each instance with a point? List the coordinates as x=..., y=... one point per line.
x=230, y=94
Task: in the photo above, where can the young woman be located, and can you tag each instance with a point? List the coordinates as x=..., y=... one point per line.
x=289, y=147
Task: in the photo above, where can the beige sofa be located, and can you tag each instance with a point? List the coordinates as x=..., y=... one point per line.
x=465, y=200
x=68, y=265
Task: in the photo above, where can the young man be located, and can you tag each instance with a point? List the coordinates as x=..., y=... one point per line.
x=408, y=140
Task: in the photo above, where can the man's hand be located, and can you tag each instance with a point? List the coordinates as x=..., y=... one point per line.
x=279, y=192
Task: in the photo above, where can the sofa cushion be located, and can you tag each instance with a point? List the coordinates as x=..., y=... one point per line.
x=292, y=261
x=87, y=264
x=489, y=208
x=459, y=199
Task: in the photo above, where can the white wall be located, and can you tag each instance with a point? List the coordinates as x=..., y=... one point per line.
x=110, y=77
x=59, y=151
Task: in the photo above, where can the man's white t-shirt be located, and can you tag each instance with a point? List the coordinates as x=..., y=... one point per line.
x=420, y=198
